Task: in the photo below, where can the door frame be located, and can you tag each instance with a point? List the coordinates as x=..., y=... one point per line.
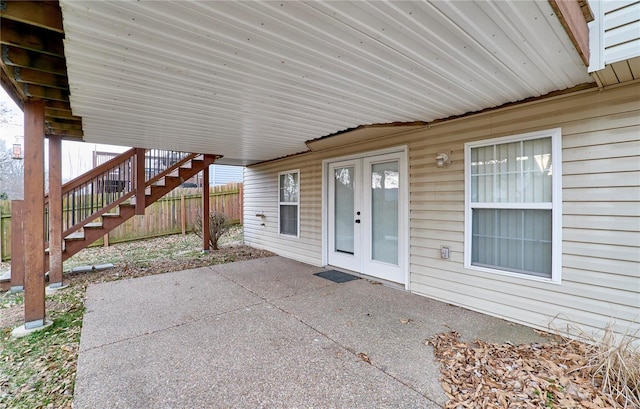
x=402, y=151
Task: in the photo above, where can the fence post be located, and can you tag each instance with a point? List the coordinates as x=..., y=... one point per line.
x=183, y=216
x=17, y=245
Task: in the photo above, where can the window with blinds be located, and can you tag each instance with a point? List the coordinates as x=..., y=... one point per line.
x=288, y=202
x=512, y=214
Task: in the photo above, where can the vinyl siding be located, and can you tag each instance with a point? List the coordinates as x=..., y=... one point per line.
x=223, y=174
x=601, y=212
x=621, y=27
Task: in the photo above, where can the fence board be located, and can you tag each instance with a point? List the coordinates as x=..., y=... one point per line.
x=161, y=218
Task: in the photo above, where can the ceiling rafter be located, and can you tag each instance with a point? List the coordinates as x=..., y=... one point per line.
x=43, y=14
x=33, y=64
x=31, y=38
x=31, y=76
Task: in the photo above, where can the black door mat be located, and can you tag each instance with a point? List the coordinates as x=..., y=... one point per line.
x=336, y=276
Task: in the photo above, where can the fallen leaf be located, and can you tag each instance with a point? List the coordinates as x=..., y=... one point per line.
x=364, y=357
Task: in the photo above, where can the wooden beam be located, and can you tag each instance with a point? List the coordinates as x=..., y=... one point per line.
x=61, y=114
x=19, y=57
x=59, y=105
x=586, y=10
x=11, y=87
x=31, y=38
x=63, y=123
x=65, y=134
x=64, y=126
x=43, y=14
x=34, y=282
x=573, y=20
x=51, y=94
x=45, y=79
x=140, y=182
x=55, y=212
x=206, y=233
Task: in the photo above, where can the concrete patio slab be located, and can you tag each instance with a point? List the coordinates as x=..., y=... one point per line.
x=265, y=333
x=256, y=357
x=391, y=327
x=126, y=309
x=273, y=277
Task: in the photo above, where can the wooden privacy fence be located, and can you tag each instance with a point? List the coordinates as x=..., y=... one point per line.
x=174, y=213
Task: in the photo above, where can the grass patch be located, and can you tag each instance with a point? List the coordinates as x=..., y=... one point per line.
x=38, y=371
x=9, y=299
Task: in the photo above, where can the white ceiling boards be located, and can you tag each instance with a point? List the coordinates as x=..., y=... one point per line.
x=254, y=80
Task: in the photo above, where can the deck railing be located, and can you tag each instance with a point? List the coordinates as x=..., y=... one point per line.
x=110, y=184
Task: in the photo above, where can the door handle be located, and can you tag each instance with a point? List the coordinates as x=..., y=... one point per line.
x=357, y=220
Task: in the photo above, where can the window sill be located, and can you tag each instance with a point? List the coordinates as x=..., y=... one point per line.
x=557, y=281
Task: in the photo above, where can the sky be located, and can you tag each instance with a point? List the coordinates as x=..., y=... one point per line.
x=77, y=157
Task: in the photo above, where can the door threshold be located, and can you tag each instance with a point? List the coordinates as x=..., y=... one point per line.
x=371, y=279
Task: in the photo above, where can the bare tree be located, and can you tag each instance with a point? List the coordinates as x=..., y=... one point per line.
x=8, y=115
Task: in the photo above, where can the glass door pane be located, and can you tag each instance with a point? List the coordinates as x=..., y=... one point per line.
x=384, y=212
x=344, y=222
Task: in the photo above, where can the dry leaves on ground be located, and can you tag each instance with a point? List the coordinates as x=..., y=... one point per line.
x=487, y=375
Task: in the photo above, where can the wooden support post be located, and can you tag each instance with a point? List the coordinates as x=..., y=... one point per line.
x=17, y=245
x=55, y=212
x=183, y=216
x=140, y=181
x=206, y=234
x=34, y=282
x=106, y=240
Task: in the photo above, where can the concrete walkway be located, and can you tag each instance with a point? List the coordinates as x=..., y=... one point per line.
x=265, y=333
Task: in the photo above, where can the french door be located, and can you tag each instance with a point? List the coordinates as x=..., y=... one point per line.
x=365, y=216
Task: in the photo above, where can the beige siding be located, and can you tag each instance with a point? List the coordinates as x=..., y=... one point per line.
x=601, y=212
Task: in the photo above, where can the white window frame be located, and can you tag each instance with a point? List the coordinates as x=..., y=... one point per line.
x=555, y=207
x=296, y=203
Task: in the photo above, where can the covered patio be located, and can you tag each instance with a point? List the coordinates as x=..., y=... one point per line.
x=266, y=333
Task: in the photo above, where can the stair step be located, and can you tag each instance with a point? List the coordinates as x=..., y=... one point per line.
x=79, y=239
x=78, y=235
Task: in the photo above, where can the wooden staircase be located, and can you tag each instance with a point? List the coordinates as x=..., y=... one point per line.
x=154, y=190
x=105, y=197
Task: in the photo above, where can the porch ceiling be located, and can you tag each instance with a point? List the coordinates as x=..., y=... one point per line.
x=254, y=80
